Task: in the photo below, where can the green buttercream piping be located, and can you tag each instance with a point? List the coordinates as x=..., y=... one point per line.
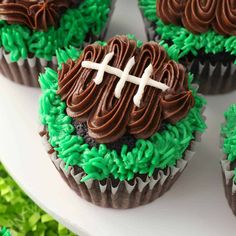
x=139, y=42
x=68, y=53
x=228, y=131
x=90, y=17
x=159, y=151
x=4, y=232
x=185, y=42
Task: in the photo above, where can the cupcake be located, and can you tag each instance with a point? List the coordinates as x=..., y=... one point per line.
x=228, y=162
x=32, y=30
x=200, y=34
x=120, y=122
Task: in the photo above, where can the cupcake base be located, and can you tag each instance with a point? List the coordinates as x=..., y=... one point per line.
x=229, y=184
x=213, y=78
x=26, y=71
x=217, y=78
x=124, y=194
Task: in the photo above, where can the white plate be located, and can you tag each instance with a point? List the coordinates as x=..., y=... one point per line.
x=195, y=206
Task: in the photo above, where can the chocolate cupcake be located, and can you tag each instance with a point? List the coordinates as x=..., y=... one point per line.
x=120, y=122
x=32, y=30
x=228, y=162
x=200, y=34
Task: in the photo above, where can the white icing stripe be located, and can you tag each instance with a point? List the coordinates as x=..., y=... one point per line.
x=124, y=76
x=143, y=82
x=100, y=75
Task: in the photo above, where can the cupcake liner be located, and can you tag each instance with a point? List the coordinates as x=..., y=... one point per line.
x=228, y=176
x=212, y=78
x=229, y=184
x=121, y=194
x=26, y=71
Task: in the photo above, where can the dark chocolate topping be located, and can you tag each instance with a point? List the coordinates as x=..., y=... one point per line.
x=109, y=118
x=36, y=14
x=198, y=16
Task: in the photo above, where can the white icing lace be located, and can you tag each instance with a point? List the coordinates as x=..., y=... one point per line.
x=124, y=76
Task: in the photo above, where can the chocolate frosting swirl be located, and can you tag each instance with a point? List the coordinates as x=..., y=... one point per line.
x=36, y=14
x=173, y=11
x=109, y=118
x=198, y=16
x=227, y=24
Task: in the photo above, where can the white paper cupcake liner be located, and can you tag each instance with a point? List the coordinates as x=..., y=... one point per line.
x=24, y=71
x=228, y=178
x=216, y=78
x=229, y=184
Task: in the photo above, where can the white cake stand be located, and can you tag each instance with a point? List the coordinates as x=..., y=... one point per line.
x=194, y=206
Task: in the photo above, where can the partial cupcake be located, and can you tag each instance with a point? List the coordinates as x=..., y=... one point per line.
x=228, y=163
x=31, y=31
x=200, y=34
x=120, y=123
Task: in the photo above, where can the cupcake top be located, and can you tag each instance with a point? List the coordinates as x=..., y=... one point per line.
x=119, y=109
x=192, y=28
x=36, y=14
x=119, y=88
x=198, y=16
x=38, y=28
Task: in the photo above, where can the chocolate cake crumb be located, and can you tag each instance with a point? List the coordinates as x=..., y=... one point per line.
x=82, y=130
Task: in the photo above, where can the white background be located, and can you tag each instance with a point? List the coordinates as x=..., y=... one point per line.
x=195, y=206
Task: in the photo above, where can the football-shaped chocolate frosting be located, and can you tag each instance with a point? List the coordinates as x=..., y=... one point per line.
x=120, y=88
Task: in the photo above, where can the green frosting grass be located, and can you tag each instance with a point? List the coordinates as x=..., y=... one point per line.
x=19, y=214
x=185, y=42
x=161, y=150
x=90, y=17
x=229, y=133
